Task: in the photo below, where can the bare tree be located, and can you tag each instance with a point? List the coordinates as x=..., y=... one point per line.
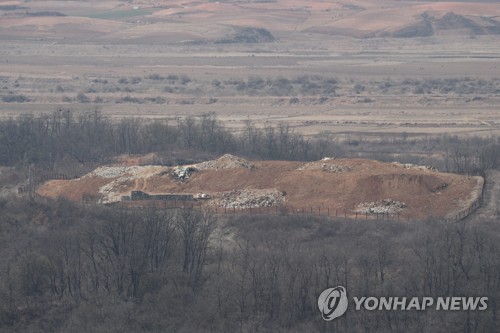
x=195, y=229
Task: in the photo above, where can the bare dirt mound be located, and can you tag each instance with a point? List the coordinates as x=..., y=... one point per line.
x=326, y=164
x=353, y=185
x=226, y=161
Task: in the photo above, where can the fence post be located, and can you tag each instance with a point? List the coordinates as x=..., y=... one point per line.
x=319, y=211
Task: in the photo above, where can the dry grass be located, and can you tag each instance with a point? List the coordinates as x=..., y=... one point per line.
x=43, y=54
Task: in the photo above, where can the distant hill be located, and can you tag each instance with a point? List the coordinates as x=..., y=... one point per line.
x=258, y=21
x=428, y=26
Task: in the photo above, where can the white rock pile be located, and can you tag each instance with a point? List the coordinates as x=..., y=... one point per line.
x=248, y=198
x=414, y=166
x=226, y=161
x=385, y=206
x=325, y=165
x=183, y=172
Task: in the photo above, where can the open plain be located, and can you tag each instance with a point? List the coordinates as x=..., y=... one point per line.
x=362, y=67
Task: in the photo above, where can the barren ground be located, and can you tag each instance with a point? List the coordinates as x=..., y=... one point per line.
x=81, y=56
x=341, y=185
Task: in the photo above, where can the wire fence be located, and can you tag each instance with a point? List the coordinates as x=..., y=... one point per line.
x=320, y=211
x=35, y=181
x=478, y=203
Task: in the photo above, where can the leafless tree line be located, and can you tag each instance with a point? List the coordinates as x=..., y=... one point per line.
x=90, y=138
x=74, y=269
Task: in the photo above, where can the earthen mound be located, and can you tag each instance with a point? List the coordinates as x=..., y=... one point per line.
x=226, y=161
x=349, y=186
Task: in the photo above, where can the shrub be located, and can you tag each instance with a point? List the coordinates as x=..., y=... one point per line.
x=82, y=98
x=15, y=99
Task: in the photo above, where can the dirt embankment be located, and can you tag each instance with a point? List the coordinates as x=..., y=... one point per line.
x=360, y=185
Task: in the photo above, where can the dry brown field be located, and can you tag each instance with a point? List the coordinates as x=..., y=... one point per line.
x=357, y=67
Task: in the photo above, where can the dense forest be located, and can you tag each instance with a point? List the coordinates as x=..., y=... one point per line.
x=65, y=267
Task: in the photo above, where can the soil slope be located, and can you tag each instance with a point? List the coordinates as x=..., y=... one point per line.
x=342, y=184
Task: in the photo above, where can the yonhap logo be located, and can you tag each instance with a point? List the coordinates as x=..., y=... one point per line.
x=332, y=303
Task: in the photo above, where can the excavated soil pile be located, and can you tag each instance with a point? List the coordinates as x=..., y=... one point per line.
x=226, y=161
x=354, y=185
x=326, y=164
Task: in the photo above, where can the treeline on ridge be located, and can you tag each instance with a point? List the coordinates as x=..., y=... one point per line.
x=91, y=138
